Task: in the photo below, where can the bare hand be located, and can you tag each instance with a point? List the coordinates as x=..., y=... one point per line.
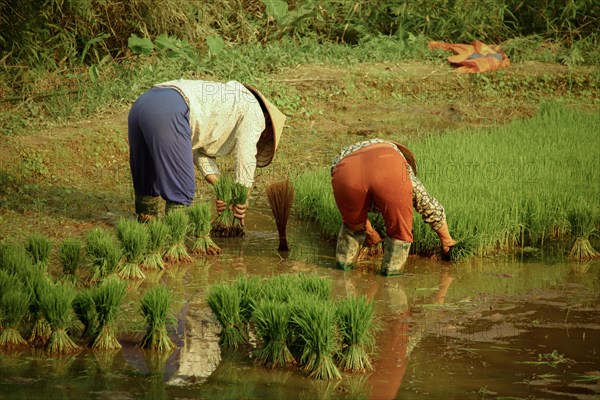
x=373, y=238
x=220, y=205
x=239, y=212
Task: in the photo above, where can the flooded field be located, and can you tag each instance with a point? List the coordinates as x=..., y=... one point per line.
x=489, y=328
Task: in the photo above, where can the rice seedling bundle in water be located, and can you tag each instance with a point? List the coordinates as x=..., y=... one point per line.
x=155, y=309
x=239, y=195
x=107, y=297
x=37, y=282
x=250, y=289
x=38, y=247
x=315, y=285
x=158, y=235
x=582, y=225
x=315, y=321
x=281, y=197
x=14, y=306
x=178, y=222
x=70, y=254
x=224, y=301
x=133, y=237
x=282, y=288
x=272, y=323
x=355, y=322
x=222, y=225
x=85, y=311
x=200, y=215
x=56, y=302
x=104, y=253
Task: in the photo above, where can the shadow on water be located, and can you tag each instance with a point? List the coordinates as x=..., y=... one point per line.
x=481, y=329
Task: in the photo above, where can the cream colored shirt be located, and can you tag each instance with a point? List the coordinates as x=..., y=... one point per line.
x=225, y=118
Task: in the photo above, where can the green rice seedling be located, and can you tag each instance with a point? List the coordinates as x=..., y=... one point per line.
x=103, y=252
x=133, y=237
x=239, y=195
x=155, y=309
x=158, y=234
x=355, y=324
x=582, y=227
x=283, y=288
x=14, y=259
x=36, y=282
x=178, y=222
x=70, y=254
x=38, y=246
x=14, y=305
x=221, y=226
x=315, y=285
x=272, y=323
x=85, y=311
x=224, y=301
x=56, y=304
x=464, y=249
x=200, y=215
x=315, y=322
x=251, y=291
x=107, y=297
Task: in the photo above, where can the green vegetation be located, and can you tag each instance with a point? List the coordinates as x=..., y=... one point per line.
x=38, y=246
x=200, y=218
x=107, y=298
x=155, y=309
x=70, y=254
x=223, y=225
x=56, y=302
x=158, y=235
x=133, y=237
x=355, y=318
x=103, y=252
x=178, y=223
x=224, y=301
x=14, y=305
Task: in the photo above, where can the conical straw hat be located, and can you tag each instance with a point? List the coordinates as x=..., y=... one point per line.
x=267, y=144
x=408, y=155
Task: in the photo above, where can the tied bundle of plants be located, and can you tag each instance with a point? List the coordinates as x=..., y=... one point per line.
x=224, y=301
x=104, y=253
x=107, y=297
x=355, y=322
x=315, y=285
x=56, y=304
x=155, y=309
x=272, y=323
x=464, y=249
x=199, y=214
x=222, y=225
x=239, y=195
x=15, y=260
x=315, y=324
x=250, y=289
x=178, y=223
x=133, y=237
x=70, y=255
x=582, y=228
x=14, y=305
x=38, y=247
x=85, y=311
x=281, y=197
x=37, y=281
x=282, y=288
x=158, y=234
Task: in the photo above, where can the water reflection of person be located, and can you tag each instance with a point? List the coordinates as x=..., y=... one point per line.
x=395, y=338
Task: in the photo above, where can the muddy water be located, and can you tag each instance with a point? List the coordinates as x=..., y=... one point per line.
x=513, y=328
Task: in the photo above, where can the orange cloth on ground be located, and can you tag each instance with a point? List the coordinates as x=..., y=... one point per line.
x=474, y=58
x=375, y=174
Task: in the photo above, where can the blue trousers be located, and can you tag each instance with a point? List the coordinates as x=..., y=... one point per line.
x=160, y=146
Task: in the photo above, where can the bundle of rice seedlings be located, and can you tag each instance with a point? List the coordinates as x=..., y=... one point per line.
x=133, y=237
x=281, y=197
x=239, y=195
x=464, y=249
x=14, y=305
x=107, y=298
x=355, y=323
x=155, y=309
x=14, y=259
x=38, y=247
x=37, y=282
x=272, y=323
x=250, y=289
x=315, y=285
x=200, y=214
x=56, y=304
x=223, y=191
x=158, y=234
x=582, y=227
x=70, y=254
x=224, y=301
x=282, y=288
x=85, y=311
x=104, y=253
x=178, y=223
x=315, y=322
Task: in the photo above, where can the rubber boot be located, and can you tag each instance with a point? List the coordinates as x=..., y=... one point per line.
x=146, y=207
x=348, y=247
x=395, y=254
x=170, y=206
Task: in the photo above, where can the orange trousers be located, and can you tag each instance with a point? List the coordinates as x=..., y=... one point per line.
x=375, y=175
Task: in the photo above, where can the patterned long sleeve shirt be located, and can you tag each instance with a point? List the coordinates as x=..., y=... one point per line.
x=430, y=209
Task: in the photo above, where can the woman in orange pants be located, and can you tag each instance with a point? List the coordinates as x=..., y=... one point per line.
x=376, y=172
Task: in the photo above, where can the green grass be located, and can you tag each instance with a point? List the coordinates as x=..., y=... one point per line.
x=133, y=237
x=502, y=187
x=155, y=310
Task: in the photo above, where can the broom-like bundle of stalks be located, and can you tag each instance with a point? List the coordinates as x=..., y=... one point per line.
x=133, y=237
x=281, y=197
x=155, y=309
x=38, y=247
x=199, y=214
x=158, y=234
x=107, y=298
x=104, y=253
x=272, y=323
x=355, y=322
x=224, y=301
x=70, y=255
x=178, y=222
x=14, y=305
x=56, y=304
